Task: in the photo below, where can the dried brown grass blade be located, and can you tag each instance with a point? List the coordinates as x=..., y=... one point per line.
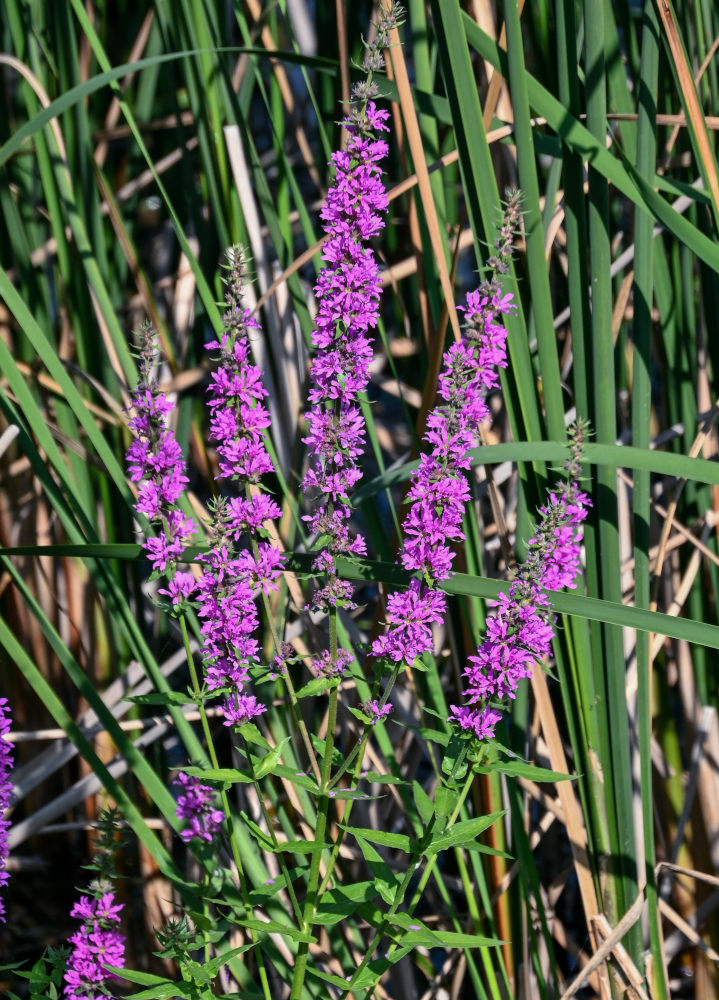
x=690, y=99
x=414, y=138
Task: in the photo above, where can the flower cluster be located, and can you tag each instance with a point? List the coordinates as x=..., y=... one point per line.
x=155, y=462
x=325, y=665
x=238, y=415
x=520, y=631
x=439, y=492
x=231, y=576
x=375, y=711
x=6, y=763
x=347, y=293
x=98, y=943
x=196, y=804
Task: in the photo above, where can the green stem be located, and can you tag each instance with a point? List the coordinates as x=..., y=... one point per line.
x=322, y=813
x=297, y=719
x=358, y=753
x=273, y=837
x=226, y=807
x=409, y=874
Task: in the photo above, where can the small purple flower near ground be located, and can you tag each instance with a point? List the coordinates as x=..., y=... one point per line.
x=6, y=764
x=99, y=942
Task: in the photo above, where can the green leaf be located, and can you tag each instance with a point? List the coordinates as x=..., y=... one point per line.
x=456, y=749
x=445, y=800
x=252, y=734
x=143, y=979
x=228, y=775
x=425, y=806
x=270, y=761
x=166, y=991
x=318, y=685
x=336, y=904
x=385, y=880
x=353, y=794
x=298, y=778
x=399, y=841
x=299, y=847
x=520, y=769
x=383, y=779
x=274, y=927
x=365, y=979
x=462, y=833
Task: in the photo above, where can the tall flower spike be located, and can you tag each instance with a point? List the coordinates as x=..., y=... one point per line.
x=231, y=575
x=6, y=764
x=519, y=633
x=155, y=461
x=347, y=293
x=439, y=492
x=99, y=942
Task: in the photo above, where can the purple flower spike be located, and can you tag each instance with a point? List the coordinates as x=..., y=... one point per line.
x=196, y=804
x=6, y=765
x=439, y=493
x=347, y=293
x=519, y=633
x=155, y=461
x=232, y=576
x=242, y=708
x=98, y=943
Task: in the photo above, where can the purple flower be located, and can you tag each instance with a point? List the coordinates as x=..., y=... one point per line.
x=180, y=587
x=347, y=293
x=232, y=575
x=412, y=612
x=519, y=632
x=228, y=618
x=375, y=711
x=241, y=708
x=324, y=666
x=155, y=461
x=6, y=765
x=98, y=943
x=439, y=492
x=196, y=804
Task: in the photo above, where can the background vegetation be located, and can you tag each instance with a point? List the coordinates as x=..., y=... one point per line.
x=140, y=140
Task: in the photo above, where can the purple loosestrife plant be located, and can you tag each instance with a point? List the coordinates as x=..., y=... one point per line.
x=347, y=292
x=439, y=492
x=99, y=942
x=232, y=575
x=520, y=631
x=155, y=461
x=6, y=765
